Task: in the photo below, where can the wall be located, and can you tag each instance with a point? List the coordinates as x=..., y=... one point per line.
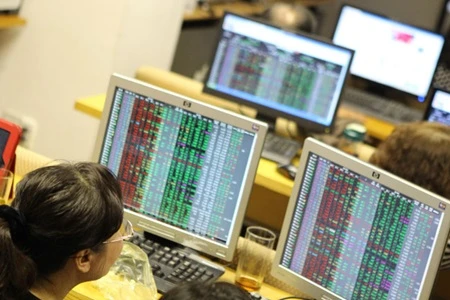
x=67, y=50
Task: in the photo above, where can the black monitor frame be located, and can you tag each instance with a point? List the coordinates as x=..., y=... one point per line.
x=436, y=90
x=268, y=114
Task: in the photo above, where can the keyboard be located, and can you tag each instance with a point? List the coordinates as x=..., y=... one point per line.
x=172, y=264
x=379, y=107
x=280, y=149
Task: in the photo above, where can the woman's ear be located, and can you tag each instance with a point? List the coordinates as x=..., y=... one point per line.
x=83, y=260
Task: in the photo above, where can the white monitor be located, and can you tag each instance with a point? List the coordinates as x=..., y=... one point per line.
x=186, y=168
x=354, y=231
x=439, y=107
x=388, y=52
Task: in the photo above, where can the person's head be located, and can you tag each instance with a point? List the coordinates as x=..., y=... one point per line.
x=418, y=152
x=204, y=291
x=61, y=217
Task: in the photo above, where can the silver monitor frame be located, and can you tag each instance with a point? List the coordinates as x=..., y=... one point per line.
x=146, y=223
x=378, y=175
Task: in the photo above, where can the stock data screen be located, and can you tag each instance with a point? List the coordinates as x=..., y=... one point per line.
x=267, y=66
x=356, y=237
x=177, y=166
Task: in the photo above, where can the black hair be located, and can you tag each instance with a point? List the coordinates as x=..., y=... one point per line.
x=418, y=152
x=57, y=211
x=203, y=291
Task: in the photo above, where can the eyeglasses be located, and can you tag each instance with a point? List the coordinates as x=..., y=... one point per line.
x=126, y=231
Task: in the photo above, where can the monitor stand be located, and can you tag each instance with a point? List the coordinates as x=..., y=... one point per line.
x=278, y=148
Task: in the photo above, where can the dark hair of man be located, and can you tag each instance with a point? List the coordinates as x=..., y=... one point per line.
x=204, y=291
x=57, y=211
x=418, y=152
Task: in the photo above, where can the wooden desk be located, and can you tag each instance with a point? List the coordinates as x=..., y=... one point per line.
x=7, y=21
x=86, y=291
x=242, y=7
x=271, y=191
x=183, y=85
x=267, y=174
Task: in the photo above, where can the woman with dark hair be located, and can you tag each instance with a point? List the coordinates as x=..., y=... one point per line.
x=206, y=291
x=64, y=226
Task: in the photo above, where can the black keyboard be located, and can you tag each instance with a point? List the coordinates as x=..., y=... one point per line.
x=379, y=107
x=280, y=149
x=172, y=264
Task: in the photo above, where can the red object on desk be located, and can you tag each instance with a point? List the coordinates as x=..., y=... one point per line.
x=10, y=134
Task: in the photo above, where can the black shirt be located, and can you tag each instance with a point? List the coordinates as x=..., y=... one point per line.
x=29, y=296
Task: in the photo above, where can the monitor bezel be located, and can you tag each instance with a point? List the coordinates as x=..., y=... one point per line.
x=264, y=110
x=436, y=90
x=374, y=85
x=145, y=223
x=376, y=174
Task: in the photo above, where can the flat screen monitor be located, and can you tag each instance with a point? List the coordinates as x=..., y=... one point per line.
x=354, y=231
x=439, y=107
x=389, y=53
x=186, y=168
x=279, y=73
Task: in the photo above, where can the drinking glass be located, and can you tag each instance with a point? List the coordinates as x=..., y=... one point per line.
x=254, y=258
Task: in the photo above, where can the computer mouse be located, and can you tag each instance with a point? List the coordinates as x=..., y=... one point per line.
x=288, y=171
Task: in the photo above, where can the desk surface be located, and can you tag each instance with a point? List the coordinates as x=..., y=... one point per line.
x=86, y=291
x=267, y=174
x=7, y=21
x=243, y=7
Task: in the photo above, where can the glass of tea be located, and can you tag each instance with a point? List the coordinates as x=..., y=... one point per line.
x=254, y=258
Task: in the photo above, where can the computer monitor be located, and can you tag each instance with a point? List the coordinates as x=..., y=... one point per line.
x=439, y=107
x=354, y=231
x=389, y=55
x=279, y=73
x=186, y=168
